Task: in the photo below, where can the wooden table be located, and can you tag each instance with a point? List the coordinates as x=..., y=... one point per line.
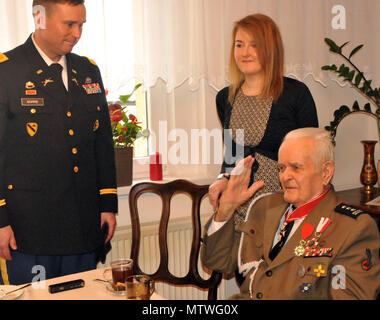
x=92, y=290
x=358, y=199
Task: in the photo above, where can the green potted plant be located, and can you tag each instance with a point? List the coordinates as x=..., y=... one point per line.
x=358, y=81
x=125, y=130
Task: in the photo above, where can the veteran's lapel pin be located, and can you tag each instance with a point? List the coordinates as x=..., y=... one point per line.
x=88, y=80
x=29, y=85
x=31, y=128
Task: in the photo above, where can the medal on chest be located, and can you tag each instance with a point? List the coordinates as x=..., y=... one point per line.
x=310, y=248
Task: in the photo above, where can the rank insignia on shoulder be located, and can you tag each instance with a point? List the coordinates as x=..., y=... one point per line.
x=348, y=210
x=92, y=61
x=3, y=57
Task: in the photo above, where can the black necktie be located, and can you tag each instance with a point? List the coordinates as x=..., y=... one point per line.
x=284, y=234
x=56, y=69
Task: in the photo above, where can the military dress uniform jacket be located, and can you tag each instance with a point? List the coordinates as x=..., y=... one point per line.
x=57, y=171
x=355, y=254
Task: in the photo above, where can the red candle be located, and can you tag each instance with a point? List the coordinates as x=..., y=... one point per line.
x=155, y=166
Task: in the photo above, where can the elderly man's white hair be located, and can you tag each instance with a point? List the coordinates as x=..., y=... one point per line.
x=323, y=149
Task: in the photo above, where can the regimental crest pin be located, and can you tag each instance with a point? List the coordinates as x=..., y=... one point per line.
x=31, y=128
x=29, y=85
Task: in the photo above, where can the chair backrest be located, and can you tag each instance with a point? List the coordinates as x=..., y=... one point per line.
x=166, y=191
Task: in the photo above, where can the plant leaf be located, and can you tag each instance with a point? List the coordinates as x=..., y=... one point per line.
x=358, y=78
x=333, y=46
x=326, y=68
x=350, y=76
x=355, y=50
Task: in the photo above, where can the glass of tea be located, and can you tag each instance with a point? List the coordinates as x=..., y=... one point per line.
x=118, y=273
x=139, y=287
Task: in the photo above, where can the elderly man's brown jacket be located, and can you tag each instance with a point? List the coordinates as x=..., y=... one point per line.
x=352, y=271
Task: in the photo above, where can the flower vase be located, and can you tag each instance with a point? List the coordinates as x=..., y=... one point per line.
x=124, y=166
x=368, y=175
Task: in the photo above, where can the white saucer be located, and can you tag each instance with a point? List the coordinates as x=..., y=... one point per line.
x=113, y=291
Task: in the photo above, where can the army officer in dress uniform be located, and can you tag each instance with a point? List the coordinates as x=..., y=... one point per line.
x=303, y=243
x=57, y=172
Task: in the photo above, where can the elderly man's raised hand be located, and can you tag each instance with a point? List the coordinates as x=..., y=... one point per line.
x=237, y=191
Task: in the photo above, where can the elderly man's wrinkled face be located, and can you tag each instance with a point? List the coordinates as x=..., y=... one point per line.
x=300, y=178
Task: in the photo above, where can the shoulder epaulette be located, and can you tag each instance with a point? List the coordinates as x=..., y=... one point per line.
x=349, y=210
x=3, y=57
x=92, y=61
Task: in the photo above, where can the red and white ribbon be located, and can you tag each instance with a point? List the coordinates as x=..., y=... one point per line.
x=322, y=225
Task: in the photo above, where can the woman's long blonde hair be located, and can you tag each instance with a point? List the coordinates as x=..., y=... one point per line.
x=270, y=53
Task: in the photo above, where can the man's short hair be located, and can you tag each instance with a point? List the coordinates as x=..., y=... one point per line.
x=323, y=148
x=44, y=2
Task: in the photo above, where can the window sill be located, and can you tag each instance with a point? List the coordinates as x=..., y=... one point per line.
x=124, y=191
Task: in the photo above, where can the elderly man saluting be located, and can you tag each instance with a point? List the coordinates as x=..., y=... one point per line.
x=302, y=243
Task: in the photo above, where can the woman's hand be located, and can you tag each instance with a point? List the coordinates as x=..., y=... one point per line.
x=215, y=191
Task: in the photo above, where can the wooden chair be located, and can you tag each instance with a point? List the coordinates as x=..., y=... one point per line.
x=166, y=191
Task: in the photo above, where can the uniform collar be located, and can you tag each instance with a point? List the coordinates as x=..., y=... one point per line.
x=62, y=61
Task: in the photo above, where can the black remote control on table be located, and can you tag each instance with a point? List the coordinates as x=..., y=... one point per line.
x=64, y=286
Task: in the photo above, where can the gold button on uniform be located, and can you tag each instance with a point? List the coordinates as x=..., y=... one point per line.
x=10, y=187
x=98, y=108
x=74, y=150
x=33, y=111
x=76, y=169
x=68, y=114
x=71, y=132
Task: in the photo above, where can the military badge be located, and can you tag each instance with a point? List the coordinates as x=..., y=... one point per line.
x=39, y=71
x=92, y=88
x=76, y=81
x=31, y=128
x=46, y=81
x=306, y=287
x=30, y=92
x=29, y=85
x=96, y=125
x=367, y=263
x=319, y=271
x=88, y=80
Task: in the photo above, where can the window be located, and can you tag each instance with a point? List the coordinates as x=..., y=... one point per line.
x=108, y=39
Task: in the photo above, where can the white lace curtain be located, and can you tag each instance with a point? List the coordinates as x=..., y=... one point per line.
x=188, y=40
